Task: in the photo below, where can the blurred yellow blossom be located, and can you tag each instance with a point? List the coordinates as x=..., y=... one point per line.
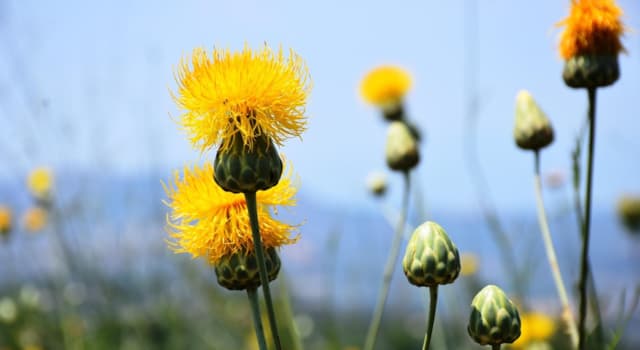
x=536, y=327
x=207, y=221
x=6, y=220
x=40, y=183
x=35, y=219
x=468, y=264
x=385, y=86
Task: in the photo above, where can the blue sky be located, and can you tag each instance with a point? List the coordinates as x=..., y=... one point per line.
x=86, y=86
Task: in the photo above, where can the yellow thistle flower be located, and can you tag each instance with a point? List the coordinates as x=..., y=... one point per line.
x=250, y=92
x=6, y=218
x=35, y=219
x=536, y=327
x=207, y=221
x=40, y=183
x=385, y=86
x=592, y=28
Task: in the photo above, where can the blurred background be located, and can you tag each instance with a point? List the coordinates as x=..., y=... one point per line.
x=85, y=98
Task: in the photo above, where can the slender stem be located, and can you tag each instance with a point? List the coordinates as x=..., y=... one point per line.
x=594, y=302
x=372, y=333
x=584, y=261
x=495, y=347
x=257, y=320
x=296, y=342
x=433, y=302
x=262, y=266
x=551, y=255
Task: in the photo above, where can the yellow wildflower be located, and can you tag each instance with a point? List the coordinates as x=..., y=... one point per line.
x=250, y=92
x=468, y=264
x=40, y=183
x=385, y=85
x=536, y=327
x=35, y=219
x=592, y=28
x=6, y=218
x=207, y=221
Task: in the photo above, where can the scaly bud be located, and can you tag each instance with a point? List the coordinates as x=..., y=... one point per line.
x=431, y=258
x=494, y=318
x=240, y=270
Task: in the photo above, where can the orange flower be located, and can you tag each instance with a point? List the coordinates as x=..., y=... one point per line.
x=592, y=28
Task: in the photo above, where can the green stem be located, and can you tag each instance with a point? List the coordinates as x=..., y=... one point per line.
x=551, y=255
x=584, y=261
x=257, y=320
x=433, y=302
x=372, y=333
x=495, y=347
x=296, y=342
x=594, y=303
x=264, y=278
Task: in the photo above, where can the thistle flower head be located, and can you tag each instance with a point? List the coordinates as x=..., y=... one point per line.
x=253, y=93
x=629, y=212
x=592, y=28
x=377, y=183
x=494, y=318
x=402, y=149
x=431, y=258
x=6, y=218
x=40, y=183
x=206, y=221
x=532, y=129
x=240, y=271
x=385, y=86
x=35, y=219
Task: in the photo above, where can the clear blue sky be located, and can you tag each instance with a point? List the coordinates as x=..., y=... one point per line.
x=105, y=70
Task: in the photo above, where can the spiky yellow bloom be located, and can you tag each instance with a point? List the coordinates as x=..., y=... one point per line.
x=207, y=221
x=250, y=92
x=35, y=219
x=592, y=28
x=536, y=327
x=6, y=218
x=385, y=85
x=40, y=183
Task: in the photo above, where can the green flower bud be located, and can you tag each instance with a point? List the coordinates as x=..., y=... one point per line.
x=240, y=169
x=402, y=147
x=377, y=184
x=431, y=258
x=240, y=270
x=629, y=212
x=533, y=130
x=494, y=318
x=590, y=71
